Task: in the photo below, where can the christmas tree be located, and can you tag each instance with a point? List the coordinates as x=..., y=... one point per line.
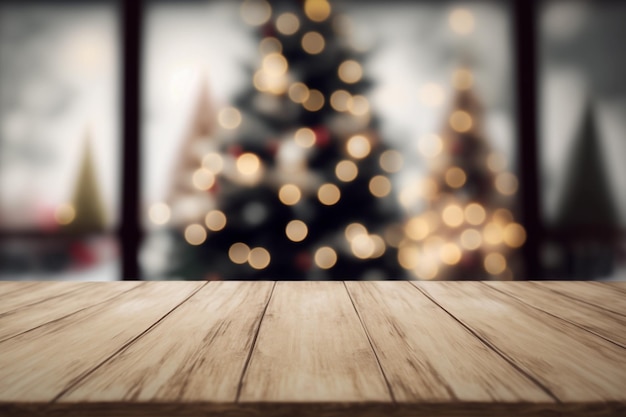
x=468, y=231
x=299, y=182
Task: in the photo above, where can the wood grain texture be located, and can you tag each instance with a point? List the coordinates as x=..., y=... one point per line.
x=40, y=365
x=311, y=347
x=35, y=292
x=7, y=287
x=428, y=355
x=197, y=353
x=602, y=296
x=22, y=319
x=596, y=320
x=572, y=364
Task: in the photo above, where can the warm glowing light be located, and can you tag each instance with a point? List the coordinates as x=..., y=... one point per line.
x=452, y=215
x=514, y=235
x=289, y=194
x=65, y=214
x=359, y=106
x=475, y=214
x=417, y=228
x=213, y=162
x=430, y=145
x=506, y=183
x=298, y=92
x=325, y=257
x=455, y=177
x=256, y=12
x=493, y=233
x=462, y=21
x=259, y=258
x=350, y=71
x=313, y=43
x=471, y=239
x=353, y=230
x=238, y=253
x=341, y=100
x=391, y=161
x=502, y=216
x=461, y=121
x=195, y=234
x=215, y=220
x=358, y=146
x=408, y=256
x=433, y=245
x=203, y=179
x=263, y=81
x=248, y=164
x=450, y=253
x=229, y=118
x=275, y=64
x=287, y=23
x=495, y=263
x=315, y=101
x=269, y=45
x=328, y=194
x=159, y=213
x=432, y=95
x=379, y=246
x=317, y=10
x=362, y=246
x=463, y=79
x=380, y=186
x=427, y=268
x=296, y=230
x=496, y=162
x=346, y=171
x=305, y=137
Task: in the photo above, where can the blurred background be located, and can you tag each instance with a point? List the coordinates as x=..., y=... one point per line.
x=316, y=139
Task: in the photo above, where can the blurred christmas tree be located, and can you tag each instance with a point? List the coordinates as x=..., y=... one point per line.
x=297, y=183
x=468, y=231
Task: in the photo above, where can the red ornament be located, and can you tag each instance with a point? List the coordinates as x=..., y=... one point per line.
x=235, y=150
x=82, y=255
x=269, y=31
x=303, y=261
x=322, y=136
x=272, y=147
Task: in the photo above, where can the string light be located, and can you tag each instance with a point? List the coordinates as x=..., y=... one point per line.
x=305, y=137
x=514, y=235
x=452, y=215
x=341, y=100
x=296, y=230
x=213, y=162
x=256, y=12
x=313, y=43
x=358, y=146
x=432, y=95
x=238, y=253
x=461, y=121
x=229, y=118
x=455, y=177
x=430, y=145
x=346, y=171
x=350, y=71
x=287, y=23
x=269, y=45
x=317, y=10
x=463, y=79
x=248, y=164
x=159, y=213
x=353, y=230
x=215, y=220
x=471, y=239
x=259, y=258
x=203, y=179
x=495, y=263
x=298, y=92
x=462, y=21
x=380, y=186
x=289, y=194
x=475, y=214
x=506, y=183
x=391, y=161
x=195, y=234
x=65, y=214
x=328, y=194
x=325, y=257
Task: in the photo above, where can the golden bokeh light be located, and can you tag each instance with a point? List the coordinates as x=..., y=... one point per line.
x=341, y=100
x=350, y=71
x=328, y=194
x=159, y=213
x=455, y=177
x=213, y=162
x=452, y=215
x=496, y=162
x=195, y=234
x=229, y=118
x=362, y=246
x=461, y=121
x=475, y=214
x=430, y=145
x=304, y=137
x=313, y=43
x=298, y=92
x=493, y=233
x=427, y=269
x=358, y=146
x=391, y=161
x=248, y=164
x=296, y=230
x=462, y=79
x=359, y=105
x=506, y=183
x=495, y=263
x=471, y=239
x=275, y=64
x=380, y=186
x=450, y=253
x=346, y=171
x=238, y=253
x=353, y=230
x=379, y=246
x=317, y=10
x=203, y=179
x=432, y=95
x=514, y=235
x=259, y=258
x=325, y=257
x=65, y=214
x=502, y=216
x=289, y=194
x=314, y=101
x=269, y=45
x=256, y=12
x=408, y=256
x=461, y=21
x=417, y=228
x=287, y=23
x=215, y=220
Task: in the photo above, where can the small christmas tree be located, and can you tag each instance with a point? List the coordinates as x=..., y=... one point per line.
x=468, y=230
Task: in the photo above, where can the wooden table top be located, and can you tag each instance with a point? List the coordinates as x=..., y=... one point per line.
x=313, y=349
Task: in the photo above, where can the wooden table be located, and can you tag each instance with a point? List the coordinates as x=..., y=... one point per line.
x=313, y=349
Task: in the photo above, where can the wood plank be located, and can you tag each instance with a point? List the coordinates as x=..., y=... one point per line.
x=40, y=365
x=33, y=293
x=22, y=319
x=311, y=347
x=620, y=285
x=574, y=365
x=7, y=287
x=601, y=322
x=419, y=348
x=602, y=296
x=197, y=353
